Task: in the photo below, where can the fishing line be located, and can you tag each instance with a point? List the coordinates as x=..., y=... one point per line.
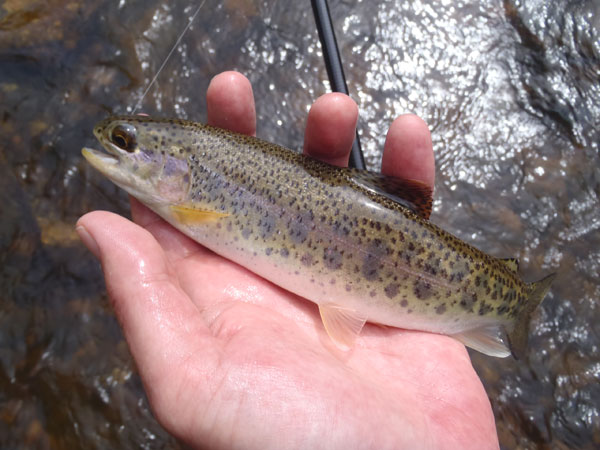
x=162, y=66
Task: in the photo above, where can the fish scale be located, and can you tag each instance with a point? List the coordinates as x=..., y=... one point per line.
x=356, y=243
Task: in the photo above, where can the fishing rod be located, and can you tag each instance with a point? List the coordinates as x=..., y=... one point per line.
x=333, y=64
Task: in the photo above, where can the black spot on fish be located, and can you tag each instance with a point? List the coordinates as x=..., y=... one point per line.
x=372, y=259
x=246, y=232
x=284, y=252
x=422, y=289
x=502, y=309
x=332, y=258
x=484, y=308
x=467, y=301
x=300, y=227
x=391, y=290
x=307, y=259
x=404, y=303
x=441, y=309
x=369, y=269
x=430, y=269
x=267, y=226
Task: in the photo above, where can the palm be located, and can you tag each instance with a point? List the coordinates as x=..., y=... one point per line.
x=230, y=360
x=263, y=353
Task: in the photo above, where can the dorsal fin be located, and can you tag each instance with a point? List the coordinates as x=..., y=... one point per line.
x=511, y=263
x=413, y=194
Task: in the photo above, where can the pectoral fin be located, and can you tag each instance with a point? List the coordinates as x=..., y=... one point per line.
x=343, y=325
x=485, y=340
x=190, y=216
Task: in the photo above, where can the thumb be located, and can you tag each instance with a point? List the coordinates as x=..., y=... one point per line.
x=163, y=328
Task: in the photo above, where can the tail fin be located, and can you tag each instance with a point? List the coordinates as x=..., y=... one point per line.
x=517, y=338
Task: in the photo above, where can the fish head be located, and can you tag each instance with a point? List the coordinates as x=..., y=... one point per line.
x=145, y=157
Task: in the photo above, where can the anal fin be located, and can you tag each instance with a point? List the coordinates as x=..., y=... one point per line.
x=343, y=325
x=485, y=339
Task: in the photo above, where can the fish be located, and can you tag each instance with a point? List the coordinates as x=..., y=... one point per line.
x=357, y=243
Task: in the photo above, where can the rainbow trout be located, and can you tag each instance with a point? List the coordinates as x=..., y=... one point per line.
x=356, y=243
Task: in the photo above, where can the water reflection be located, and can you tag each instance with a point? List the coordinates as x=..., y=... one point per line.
x=510, y=90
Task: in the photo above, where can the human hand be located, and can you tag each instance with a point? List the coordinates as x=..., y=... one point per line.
x=229, y=360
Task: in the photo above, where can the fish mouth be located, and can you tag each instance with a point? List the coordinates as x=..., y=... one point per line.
x=99, y=159
x=110, y=166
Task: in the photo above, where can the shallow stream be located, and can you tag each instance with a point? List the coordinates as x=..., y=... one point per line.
x=510, y=90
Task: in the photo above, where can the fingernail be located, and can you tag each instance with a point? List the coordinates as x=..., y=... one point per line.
x=88, y=240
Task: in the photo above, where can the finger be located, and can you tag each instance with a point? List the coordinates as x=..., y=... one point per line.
x=162, y=326
x=230, y=103
x=408, y=151
x=330, y=128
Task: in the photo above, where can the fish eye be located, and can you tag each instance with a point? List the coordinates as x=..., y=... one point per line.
x=123, y=136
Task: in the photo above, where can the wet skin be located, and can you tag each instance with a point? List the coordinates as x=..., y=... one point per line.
x=231, y=361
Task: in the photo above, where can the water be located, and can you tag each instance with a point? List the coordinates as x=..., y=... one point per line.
x=509, y=89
